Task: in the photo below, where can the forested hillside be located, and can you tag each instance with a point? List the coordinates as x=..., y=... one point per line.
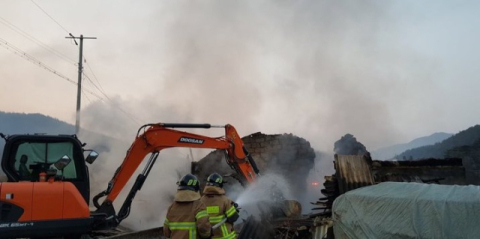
x=19, y=123
x=464, y=138
x=391, y=151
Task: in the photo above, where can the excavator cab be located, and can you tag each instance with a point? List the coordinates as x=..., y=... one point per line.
x=25, y=157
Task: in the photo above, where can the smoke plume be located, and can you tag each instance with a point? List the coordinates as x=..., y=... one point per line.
x=306, y=68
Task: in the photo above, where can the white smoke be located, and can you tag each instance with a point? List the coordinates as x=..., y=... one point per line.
x=151, y=202
x=268, y=188
x=272, y=66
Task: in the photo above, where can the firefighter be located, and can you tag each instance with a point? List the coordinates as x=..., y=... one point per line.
x=219, y=207
x=187, y=217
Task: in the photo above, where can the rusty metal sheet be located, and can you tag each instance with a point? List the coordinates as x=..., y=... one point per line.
x=322, y=228
x=353, y=171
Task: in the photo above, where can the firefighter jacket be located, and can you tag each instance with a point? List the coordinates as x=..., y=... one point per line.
x=187, y=217
x=220, y=207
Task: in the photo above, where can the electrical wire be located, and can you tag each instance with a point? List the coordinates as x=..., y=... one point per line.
x=133, y=118
x=46, y=13
x=92, y=93
x=24, y=55
x=86, y=96
x=32, y=59
x=94, y=76
x=50, y=16
x=90, y=80
x=36, y=41
x=40, y=64
x=102, y=91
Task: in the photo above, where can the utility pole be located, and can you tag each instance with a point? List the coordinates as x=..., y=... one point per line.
x=80, y=71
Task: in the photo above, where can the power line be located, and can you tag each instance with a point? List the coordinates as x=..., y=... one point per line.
x=93, y=83
x=133, y=118
x=93, y=93
x=46, y=13
x=32, y=59
x=37, y=62
x=80, y=73
x=40, y=64
x=86, y=96
x=94, y=76
x=36, y=41
x=96, y=87
x=102, y=91
x=49, y=16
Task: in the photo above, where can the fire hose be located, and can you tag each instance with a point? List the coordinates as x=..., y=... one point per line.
x=219, y=224
x=225, y=219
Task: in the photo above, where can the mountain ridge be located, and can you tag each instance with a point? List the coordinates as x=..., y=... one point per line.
x=389, y=152
x=465, y=137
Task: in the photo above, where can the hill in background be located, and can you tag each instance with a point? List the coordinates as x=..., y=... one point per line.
x=439, y=150
x=394, y=150
x=21, y=123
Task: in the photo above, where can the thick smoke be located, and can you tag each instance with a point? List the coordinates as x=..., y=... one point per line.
x=303, y=67
x=149, y=207
x=269, y=189
x=273, y=66
x=270, y=66
x=151, y=202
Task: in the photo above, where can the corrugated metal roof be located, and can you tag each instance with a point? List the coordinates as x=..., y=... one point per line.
x=353, y=171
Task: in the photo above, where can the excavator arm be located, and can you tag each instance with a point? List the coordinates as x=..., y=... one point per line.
x=151, y=139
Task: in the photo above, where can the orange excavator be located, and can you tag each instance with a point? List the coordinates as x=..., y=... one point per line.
x=47, y=190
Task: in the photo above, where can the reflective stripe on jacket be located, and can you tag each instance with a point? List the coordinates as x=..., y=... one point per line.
x=186, y=220
x=220, y=207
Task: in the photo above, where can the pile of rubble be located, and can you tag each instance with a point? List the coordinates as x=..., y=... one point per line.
x=284, y=154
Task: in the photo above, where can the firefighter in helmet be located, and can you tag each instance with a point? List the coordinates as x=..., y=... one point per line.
x=187, y=217
x=221, y=209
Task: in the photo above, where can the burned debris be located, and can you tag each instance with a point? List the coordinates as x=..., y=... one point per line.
x=284, y=154
x=348, y=145
x=292, y=157
x=355, y=171
x=448, y=171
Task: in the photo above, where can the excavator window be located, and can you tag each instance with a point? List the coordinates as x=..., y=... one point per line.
x=31, y=158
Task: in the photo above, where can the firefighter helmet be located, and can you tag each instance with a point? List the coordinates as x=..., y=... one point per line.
x=189, y=182
x=215, y=179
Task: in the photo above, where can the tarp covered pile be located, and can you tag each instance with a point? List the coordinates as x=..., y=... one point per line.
x=408, y=210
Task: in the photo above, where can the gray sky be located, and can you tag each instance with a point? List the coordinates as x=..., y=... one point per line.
x=384, y=71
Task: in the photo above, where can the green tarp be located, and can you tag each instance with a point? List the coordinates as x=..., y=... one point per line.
x=408, y=210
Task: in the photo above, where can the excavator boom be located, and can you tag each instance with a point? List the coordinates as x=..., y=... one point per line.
x=151, y=139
